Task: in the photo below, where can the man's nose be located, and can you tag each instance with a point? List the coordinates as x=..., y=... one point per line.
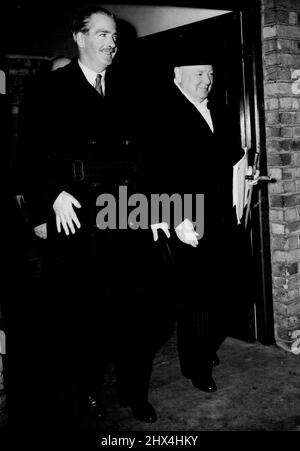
x=206, y=79
x=112, y=42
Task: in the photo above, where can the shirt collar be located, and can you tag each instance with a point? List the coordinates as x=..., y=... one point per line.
x=90, y=75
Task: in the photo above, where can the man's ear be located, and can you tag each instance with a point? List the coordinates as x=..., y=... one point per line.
x=79, y=39
x=177, y=72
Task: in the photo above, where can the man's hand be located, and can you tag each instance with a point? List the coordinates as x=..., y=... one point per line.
x=162, y=225
x=186, y=233
x=255, y=175
x=65, y=215
x=20, y=200
x=41, y=231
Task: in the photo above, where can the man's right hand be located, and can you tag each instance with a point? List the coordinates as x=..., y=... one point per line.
x=186, y=233
x=65, y=215
x=163, y=226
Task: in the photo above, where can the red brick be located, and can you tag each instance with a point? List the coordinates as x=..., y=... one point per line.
x=273, y=132
x=296, y=145
x=291, y=200
x=289, y=103
x=287, y=59
x=286, y=132
x=272, y=117
x=296, y=159
x=293, y=227
x=270, y=45
x=285, y=200
x=276, y=188
x=280, y=282
x=276, y=201
x=273, y=89
x=280, y=243
x=279, y=256
x=274, y=145
x=276, y=215
x=285, y=144
x=288, y=31
x=277, y=229
x=285, y=269
x=293, y=242
x=287, y=45
x=271, y=104
x=289, y=118
x=275, y=173
x=271, y=59
x=293, y=282
x=283, y=159
x=269, y=32
x=288, y=173
x=289, y=186
x=297, y=135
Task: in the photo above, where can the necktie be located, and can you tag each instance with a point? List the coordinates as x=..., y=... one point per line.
x=98, y=85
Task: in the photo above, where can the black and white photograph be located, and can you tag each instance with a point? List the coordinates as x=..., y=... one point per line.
x=151, y=222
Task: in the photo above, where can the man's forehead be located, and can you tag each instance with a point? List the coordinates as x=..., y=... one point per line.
x=102, y=21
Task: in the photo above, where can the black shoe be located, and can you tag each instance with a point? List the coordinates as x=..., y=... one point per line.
x=205, y=384
x=95, y=408
x=141, y=411
x=144, y=412
x=215, y=360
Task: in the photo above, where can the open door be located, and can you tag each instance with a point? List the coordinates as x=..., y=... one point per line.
x=229, y=38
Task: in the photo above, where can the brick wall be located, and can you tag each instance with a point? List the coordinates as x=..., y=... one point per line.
x=281, y=65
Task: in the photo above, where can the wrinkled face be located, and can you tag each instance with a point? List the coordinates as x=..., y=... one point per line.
x=98, y=46
x=196, y=81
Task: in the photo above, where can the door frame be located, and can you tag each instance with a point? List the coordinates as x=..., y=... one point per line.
x=250, y=19
x=251, y=23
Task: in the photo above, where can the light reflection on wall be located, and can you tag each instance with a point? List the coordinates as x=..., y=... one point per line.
x=153, y=19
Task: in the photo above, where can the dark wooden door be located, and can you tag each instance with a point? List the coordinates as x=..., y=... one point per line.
x=230, y=39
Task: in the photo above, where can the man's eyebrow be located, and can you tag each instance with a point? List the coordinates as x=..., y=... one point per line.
x=103, y=30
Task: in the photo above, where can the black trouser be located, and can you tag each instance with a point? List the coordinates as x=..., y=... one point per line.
x=108, y=309
x=198, y=299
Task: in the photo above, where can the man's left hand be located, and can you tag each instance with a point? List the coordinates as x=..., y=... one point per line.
x=254, y=181
x=186, y=233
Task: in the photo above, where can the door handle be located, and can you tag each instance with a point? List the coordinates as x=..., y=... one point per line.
x=261, y=178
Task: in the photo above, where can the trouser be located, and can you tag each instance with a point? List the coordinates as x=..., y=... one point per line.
x=199, y=331
x=107, y=309
x=195, y=343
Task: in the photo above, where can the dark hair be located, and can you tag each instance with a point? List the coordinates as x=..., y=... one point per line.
x=82, y=20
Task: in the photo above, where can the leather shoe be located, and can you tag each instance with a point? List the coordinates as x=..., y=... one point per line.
x=205, y=384
x=215, y=360
x=141, y=411
x=144, y=412
x=95, y=407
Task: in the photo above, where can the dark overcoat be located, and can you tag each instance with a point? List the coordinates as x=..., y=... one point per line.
x=102, y=306
x=184, y=156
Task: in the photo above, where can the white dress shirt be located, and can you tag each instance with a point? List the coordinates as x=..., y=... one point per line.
x=91, y=75
x=201, y=107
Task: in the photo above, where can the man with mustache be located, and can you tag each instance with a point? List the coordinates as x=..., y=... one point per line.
x=81, y=148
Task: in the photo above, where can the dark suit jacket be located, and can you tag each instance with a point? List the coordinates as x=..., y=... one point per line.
x=183, y=156
x=68, y=120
